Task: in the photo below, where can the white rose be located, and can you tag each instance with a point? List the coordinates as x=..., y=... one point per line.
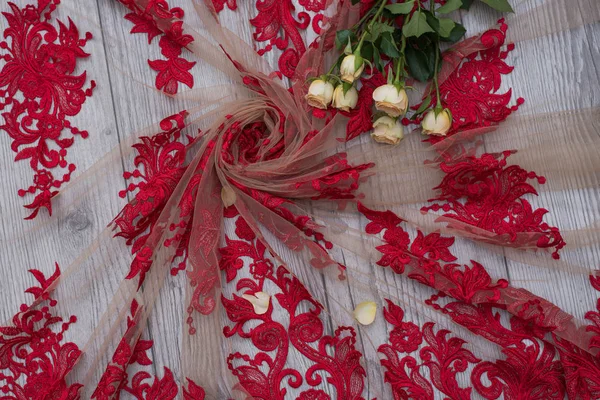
x=387, y=130
x=349, y=70
x=346, y=101
x=437, y=125
x=392, y=101
x=260, y=301
x=365, y=312
x=320, y=94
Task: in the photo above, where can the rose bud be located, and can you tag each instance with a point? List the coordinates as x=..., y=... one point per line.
x=390, y=100
x=387, y=130
x=351, y=68
x=437, y=124
x=320, y=94
x=347, y=101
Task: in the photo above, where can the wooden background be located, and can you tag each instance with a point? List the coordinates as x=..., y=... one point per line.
x=124, y=102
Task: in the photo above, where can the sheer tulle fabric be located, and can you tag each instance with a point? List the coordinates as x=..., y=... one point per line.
x=300, y=166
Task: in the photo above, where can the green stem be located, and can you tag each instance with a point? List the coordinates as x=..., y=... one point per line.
x=400, y=66
x=332, y=68
x=370, y=25
x=363, y=19
x=437, y=61
x=435, y=77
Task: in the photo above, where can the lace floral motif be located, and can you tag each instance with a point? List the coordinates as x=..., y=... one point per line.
x=486, y=193
x=160, y=166
x=33, y=362
x=471, y=92
x=442, y=357
x=473, y=80
x=582, y=369
x=39, y=64
x=157, y=19
x=142, y=385
x=276, y=24
x=220, y=4
x=529, y=370
x=469, y=296
x=594, y=316
x=334, y=355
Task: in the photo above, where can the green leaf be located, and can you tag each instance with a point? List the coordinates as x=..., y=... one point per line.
x=377, y=29
x=451, y=5
x=445, y=27
x=401, y=8
x=456, y=34
x=338, y=63
x=358, y=61
x=417, y=25
x=366, y=51
x=421, y=61
x=346, y=86
x=388, y=47
x=432, y=20
x=342, y=37
x=500, y=5
x=424, y=105
x=466, y=4
x=377, y=59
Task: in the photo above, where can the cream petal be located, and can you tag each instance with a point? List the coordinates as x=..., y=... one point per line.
x=260, y=301
x=365, y=312
x=228, y=196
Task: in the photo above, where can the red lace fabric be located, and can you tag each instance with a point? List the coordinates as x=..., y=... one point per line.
x=470, y=78
x=333, y=356
x=484, y=191
x=472, y=299
x=142, y=385
x=39, y=93
x=220, y=4
x=160, y=161
x=487, y=193
x=33, y=360
x=471, y=91
x=277, y=25
x=529, y=370
x=428, y=259
x=582, y=370
x=156, y=19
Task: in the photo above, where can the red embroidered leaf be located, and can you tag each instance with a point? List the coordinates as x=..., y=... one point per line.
x=50, y=94
x=380, y=219
x=143, y=24
x=486, y=193
x=34, y=358
x=193, y=391
x=174, y=69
